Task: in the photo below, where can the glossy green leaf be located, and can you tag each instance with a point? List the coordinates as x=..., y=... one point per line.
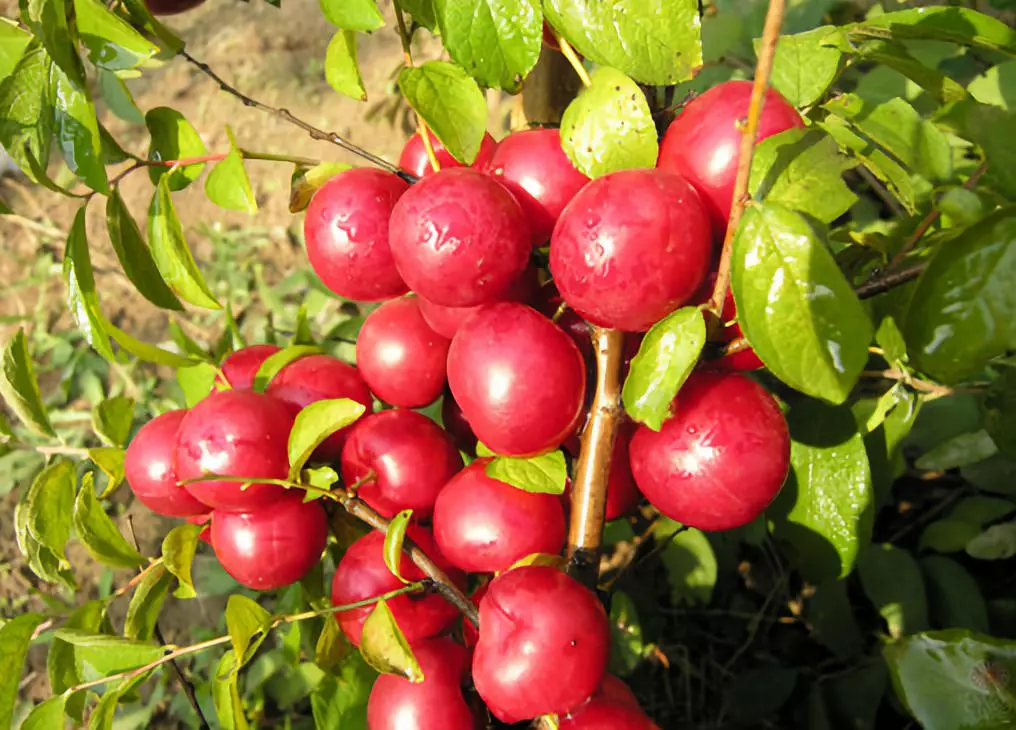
x=395, y=537
x=666, y=357
x=384, y=646
x=77, y=132
x=26, y=110
x=47, y=715
x=278, y=360
x=690, y=562
x=342, y=70
x=955, y=25
x=609, y=126
x=305, y=181
x=833, y=620
x=497, y=41
x=998, y=542
x=628, y=644
x=105, y=654
x=178, y=550
x=104, y=712
x=118, y=97
x=340, y=700
x=795, y=306
x=49, y=20
x=948, y=536
x=112, y=420
x=890, y=339
x=757, y=693
x=802, y=170
x=999, y=409
x=141, y=17
x=173, y=138
x=228, y=185
x=996, y=86
x=196, y=382
x=954, y=679
x=60, y=659
x=825, y=511
x=20, y=389
x=110, y=461
x=314, y=424
x=963, y=310
x=954, y=597
x=171, y=253
x=112, y=43
x=99, y=534
x=15, y=636
x=988, y=127
x=226, y=695
x=963, y=450
x=134, y=256
x=248, y=625
x=894, y=56
x=146, y=603
x=43, y=562
x=892, y=580
x=359, y=15
x=49, y=503
x=13, y=41
x=448, y=100
x=806, y=64
x=82, y=296
x=633, y=37
x=144, y=350
x=545, y=474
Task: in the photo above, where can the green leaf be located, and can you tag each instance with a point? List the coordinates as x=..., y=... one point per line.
x=226, y=695
x=171, y=253
x=227, y=185
x=173, y=138
x=118, y=97
x=248, y=625
x=980, y=510
x=146, y=603
x=497, y=41
x=999, y=410
x=628, y=644
x=144, y=350
x=633, y=37
x=802, y=170
x=963, y=450
x=112, y=420
x=963, y=310
x=134, y=256
x=178, y=550
x=825, y=511
x=99, y=534
x=987, y=126
x=342, y=71
x=795, y=306
x=360, y=15
x=998, y=542
x=890, y=339
x=50, y=22
x=105, y=654
x=690, y=561
x=545, y=474
x=954, y=25
x=854, y=698
x=609, y=126
x=996, y=86
x=275, y=362
x=20, y=389
x=806, y=64
x=395, y=536
x=997, y=475
x=757, y=693
x=82, y=296
x=332, y=647
x=305, y=181
x=15, y=636
x=170, y=43
x=49, y=503
x=77, y=132
x=384, y=646
x=13, y=41
x=112, y=43
x=948, y=536
x=314, y=424
x=665, y=359
x=47, y=715
x=27, y=121
x=102, y=716
x=340, y=700
x=448, y=100
x=954, y=597
x=196, y=382
x=61, y=664
x=954, y=679
x=891, y=579
x=833, y=620
x=895, y=57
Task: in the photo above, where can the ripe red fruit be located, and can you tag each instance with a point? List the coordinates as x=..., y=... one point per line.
x=483, y=525
x=459, y=238
x=518, y=378
x=720, y=459
x=602, y=714
x=321, y=377
x=456, y=425
x=630, y=248
x=544, y=643
x=410, y=456
x=436, y=703
x=171, y=7
x=548, y=302
x=447, y=320
x=236, y=433
x=362, y=574
x=471, y=634
x=271, y=547
x=703, y=143
x=148, y=467
x=617, y=691
x=414, y=158
x=240, y=367
x=532, y=165
x=346, y=233
x=400, y=357
x=206, y=519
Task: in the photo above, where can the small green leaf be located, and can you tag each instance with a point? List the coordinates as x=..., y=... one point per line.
x=60, y=660
x=142, y=18
x=998, y=542
x=987, y=127
x=112, y=43
x=609, y=126
x=47, y=715
x=248, y=626
x=833, y=620
x=118, y=97
x=50, y=22
x=954, y=597
x=146, y=603
x=278, y=360
x=999, y=409
x=77, y=132
x=104, y=712
x=892, y=581
x=634, y=37
x=894, y=56
x=305, y=181
x=665, y=359
x=448, y=100
x=27, y=122
x=395, y=536
x=890, y=339
x=13, y=41
x=314, y=424
x=134, y=256
x=545, y=474
x=795, y=306
x=15, y=636
x=171, y=253
x=384, y=646
x=228, y=185
x=996, y=475
x=226, y=695
x=112, y=420
x=628, y=643
x=99, y=534
x=49, y=503
x=144, y=350
x=196, y=382
x=342, y=71
x=359, y=15
x=105, y=654
x=340, y=700
x=332, y=646
x=757, y=693
x=173, y=138
x=884, y=406
x=690, y=562
x=980, y=510
x=20, y=389
x=806, y=64
x=948, y=536
x=996, y=86
x=963, y=450
x=954, y=25
x=82, y=296
x=178, y=550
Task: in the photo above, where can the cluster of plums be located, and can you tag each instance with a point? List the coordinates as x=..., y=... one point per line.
x=507, y=346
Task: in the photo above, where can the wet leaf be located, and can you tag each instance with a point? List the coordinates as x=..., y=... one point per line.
x=314, y=424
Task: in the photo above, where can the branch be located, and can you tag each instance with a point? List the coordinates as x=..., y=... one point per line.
x=923, y=386
x=770, y=37
x=592, y=469
x=889, y=281
x=288, y=116
x=188, y=686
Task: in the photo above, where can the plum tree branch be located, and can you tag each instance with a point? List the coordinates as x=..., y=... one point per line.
x=767, y=52
x=889, y=281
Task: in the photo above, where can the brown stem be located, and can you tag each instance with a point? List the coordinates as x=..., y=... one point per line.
x=770, y=37
x=188, y=686
x=923, y=386
x=889, y=281
x=592, y=469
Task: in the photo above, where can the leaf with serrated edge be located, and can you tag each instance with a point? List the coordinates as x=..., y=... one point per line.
x=384, y=646
x=806, y=64
x=314, y=424
x=450, y=103
x=49, y=503
x=112, y=420
x=178, y=550
x=342, y=71
x=247, y=623
x=20, y=389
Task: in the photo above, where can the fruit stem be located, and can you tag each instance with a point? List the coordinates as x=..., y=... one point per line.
x=592, y=470
x=770, y=37
x=576, y=63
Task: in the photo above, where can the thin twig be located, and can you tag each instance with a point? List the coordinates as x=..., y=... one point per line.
x=889, y=281
x=770, y=37
x=576, y=63
x=881, y=191
x=922, y=386
x=48, y=450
